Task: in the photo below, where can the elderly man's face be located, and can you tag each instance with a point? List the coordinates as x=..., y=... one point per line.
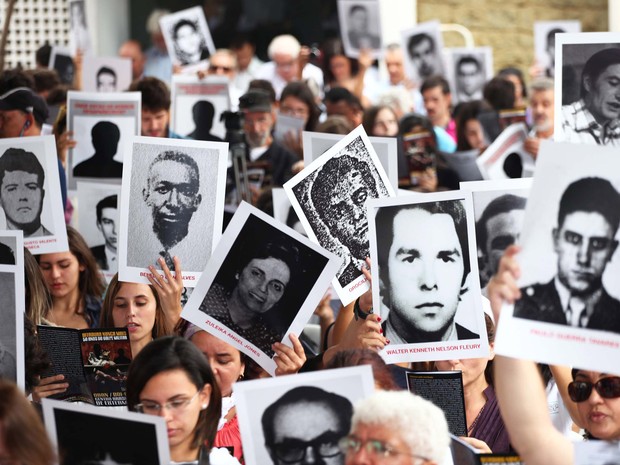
x=21, y=197
x=604, y=94
x=172, y=194
x=258, y=126
x=541, y=103
x=106, y=82
x=425, y=270
x=346, y=212
x=390, y=437
x=424, y=59
x=107, y=226
x=395, y=66
x=222, y=64
x=287, y=66
x=584, y=245
x=306, y=433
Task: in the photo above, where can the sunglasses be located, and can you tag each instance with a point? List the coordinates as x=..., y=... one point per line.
x=607, y=388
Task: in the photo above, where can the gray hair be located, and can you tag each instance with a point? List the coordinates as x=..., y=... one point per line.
x=420, y=424
x=540, y=84
x=284, y=44
x=152, y=22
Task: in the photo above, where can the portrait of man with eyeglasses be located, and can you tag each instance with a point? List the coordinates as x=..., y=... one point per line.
x=584, y=243
x=305, y=425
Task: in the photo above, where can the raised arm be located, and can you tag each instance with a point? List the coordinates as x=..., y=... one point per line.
x=519, y=387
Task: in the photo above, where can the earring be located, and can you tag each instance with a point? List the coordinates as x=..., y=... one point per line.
x=204, y=406
x=240, y=377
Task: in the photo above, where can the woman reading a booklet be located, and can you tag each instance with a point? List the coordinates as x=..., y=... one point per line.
x=170, y=377
x=522, y=396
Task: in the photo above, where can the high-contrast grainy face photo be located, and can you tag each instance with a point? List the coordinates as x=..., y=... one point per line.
x=422, y=275
x=187, y=36
x=171, y=205
x=333, y=200
x=470, y=71
x=300, y=420
x=584, y=242
x=588, y=111
x=262, y=284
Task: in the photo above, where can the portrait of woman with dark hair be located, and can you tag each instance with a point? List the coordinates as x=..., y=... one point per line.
x=262, y=284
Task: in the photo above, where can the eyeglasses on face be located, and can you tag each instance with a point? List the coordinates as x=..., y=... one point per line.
x=215, y=68
x=174, y=406
x=374, y=447
x=607, y=388
x=325, y=446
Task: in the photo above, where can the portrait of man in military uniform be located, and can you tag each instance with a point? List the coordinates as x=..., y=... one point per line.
x=584, y=243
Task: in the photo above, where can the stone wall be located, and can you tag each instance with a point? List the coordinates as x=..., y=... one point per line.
x=508, y=25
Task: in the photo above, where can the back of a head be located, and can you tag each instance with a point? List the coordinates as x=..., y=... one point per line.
x=42, y=55
x=335, y=124
x=340, y=94
x=152, y=22
x=13, y=78
x=24, y=438
x=420, y=423
x=155, y=93
x=500, y=94
x=285, y=44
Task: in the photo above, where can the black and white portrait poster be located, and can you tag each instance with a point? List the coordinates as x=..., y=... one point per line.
x=329, y=197
x=499, y=209
x=187, y=36
x=280, y=418
x=360, y=26
x=85, y=434
x=79, y=35
x=569, y=311
x=30, y=197
x=316, y=144
x=506, y=157
x=105, y=74
x=469, y=69
x=544, y=41
x=425, y=285
x=98, y=220
x=102, y=124
x=12, y=307
x=422, y=48
x=263, y=282
x=172, y=204
x=587, y=106
x=197, y=105
x=61, y=60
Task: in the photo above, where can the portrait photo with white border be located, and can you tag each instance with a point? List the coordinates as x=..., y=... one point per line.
x=106, y=74
x=422, y=47
x=360, y=26
x=187, y=36
x=544, y=41
x=263, y=282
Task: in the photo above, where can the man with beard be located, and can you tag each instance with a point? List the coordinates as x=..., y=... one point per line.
x=542, y=106
x=172, y=195
x=339, y=195
x=21, y=192
x=264, y=153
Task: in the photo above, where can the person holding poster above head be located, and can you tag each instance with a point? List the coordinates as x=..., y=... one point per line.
x=523, y=400
x=595, y=118
x=584, y=241
x=22, y=192
x=423, y=275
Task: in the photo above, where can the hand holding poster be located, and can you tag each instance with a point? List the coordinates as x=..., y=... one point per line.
x=569, y=312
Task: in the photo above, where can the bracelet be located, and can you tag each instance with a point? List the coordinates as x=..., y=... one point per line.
x=358, y=312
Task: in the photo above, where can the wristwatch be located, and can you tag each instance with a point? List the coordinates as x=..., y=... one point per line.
x=358, y=312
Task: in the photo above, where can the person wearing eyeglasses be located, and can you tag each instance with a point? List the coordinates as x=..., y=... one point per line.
x=396, y=428
x=522, y=398
x=304, y=426
x=171, y=378
x=224, y=63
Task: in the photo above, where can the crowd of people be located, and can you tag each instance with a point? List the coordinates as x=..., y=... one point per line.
x=186, y=375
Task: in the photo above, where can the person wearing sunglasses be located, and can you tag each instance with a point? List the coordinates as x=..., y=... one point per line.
x=171, y=378
x=522, y=397
x=396, y=428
